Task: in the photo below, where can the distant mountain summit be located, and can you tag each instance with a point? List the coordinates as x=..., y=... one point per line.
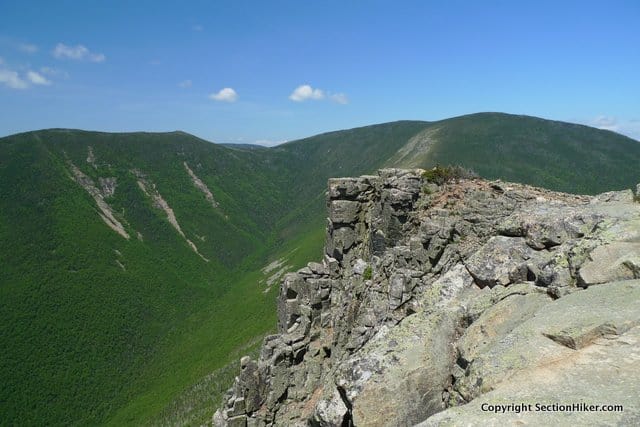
x=125, y=253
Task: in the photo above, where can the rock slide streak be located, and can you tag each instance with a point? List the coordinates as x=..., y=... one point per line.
x=433, y=299
x=201, y=186
x=149, y=188
x=108, y=187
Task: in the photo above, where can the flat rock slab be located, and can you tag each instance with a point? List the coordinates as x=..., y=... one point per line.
x=611, y=262
x=613, y=367
x=498, y=321
x=398, y=377
x=581, y=317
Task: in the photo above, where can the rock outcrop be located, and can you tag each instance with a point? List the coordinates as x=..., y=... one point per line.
x=434, y=302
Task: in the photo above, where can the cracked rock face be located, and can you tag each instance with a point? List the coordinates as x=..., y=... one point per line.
x=432, y=300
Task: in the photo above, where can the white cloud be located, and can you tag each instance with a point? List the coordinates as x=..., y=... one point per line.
x=304, y=92
x=227, y=95
x=339, y=98
x=185, y=84
x=78, y=53
x=12, y=79
x=27, y=47
x=54, y=72
x=37, y=79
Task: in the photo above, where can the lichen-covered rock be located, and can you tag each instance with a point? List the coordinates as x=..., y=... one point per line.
x=503, y=260
x=344, y=211
x=331, y=412
x=386, y=382
x=611, y=262
x=497, y=321
x=548, y=335
x=533, y=366
x=430, y=303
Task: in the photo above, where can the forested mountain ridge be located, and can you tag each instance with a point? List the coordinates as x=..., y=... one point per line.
x=134, y=262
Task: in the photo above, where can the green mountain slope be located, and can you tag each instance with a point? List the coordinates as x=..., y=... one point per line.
x=312, y=161
x=556, y=155
x=133, y=265
x=85, y=311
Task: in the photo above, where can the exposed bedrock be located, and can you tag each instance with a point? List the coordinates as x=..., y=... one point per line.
x=431, y=300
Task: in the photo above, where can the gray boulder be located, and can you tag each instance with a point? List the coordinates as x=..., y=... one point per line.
x=503, y=260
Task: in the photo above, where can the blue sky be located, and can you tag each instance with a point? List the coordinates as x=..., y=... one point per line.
x=270, y=71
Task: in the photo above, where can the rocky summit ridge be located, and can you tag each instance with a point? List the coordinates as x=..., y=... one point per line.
x=433, y=302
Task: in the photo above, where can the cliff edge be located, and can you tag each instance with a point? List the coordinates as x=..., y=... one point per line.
x=444, y=304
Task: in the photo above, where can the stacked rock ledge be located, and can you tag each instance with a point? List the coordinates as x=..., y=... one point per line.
x=433, y=299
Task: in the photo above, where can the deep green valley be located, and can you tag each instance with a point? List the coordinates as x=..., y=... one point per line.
x=135, y=268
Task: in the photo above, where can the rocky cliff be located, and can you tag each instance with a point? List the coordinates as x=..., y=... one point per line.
x=437, y=304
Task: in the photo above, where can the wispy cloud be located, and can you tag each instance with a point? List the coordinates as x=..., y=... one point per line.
x=305, y=92
x=185, y=84
x=54, y=72
x=339, y=98
x=605, y=122
x=226, y=95
x=14, y=80
x=197, y=27
x=18, y=45
x=37, y=78
x=27, y=47
x=77, y=53
x=630, y=127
